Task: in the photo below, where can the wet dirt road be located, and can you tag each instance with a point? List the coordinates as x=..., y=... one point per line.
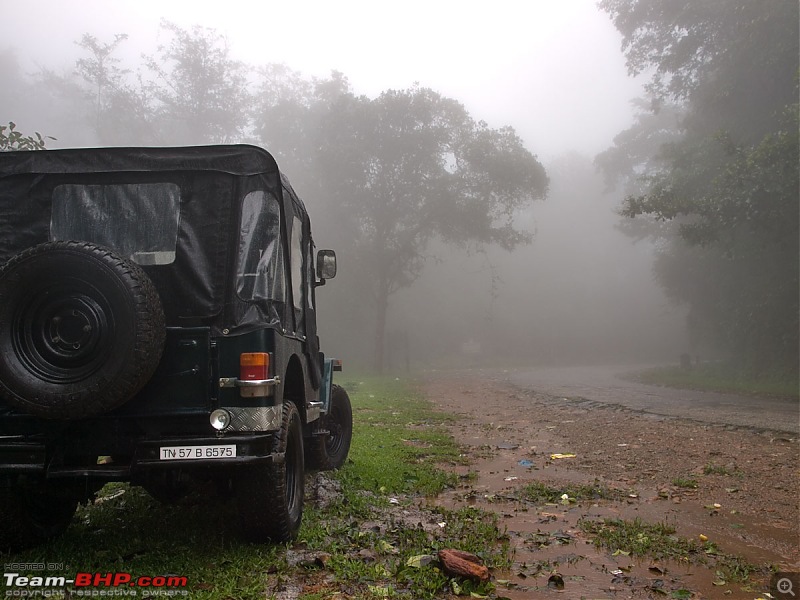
x=735, y=486
x=609, y=385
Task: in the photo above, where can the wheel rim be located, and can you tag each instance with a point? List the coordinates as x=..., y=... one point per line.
x=335, y=440
x=63, y=333
x=293, y=462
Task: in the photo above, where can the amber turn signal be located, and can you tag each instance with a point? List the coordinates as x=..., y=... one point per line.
x=253, y=365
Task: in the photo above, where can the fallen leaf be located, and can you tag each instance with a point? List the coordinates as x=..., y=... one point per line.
x=559, y=455
x=111, y=496
x=419, y=561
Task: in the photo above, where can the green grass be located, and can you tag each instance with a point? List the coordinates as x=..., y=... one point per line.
x=685, y=482
x=540, y=492
x=380, y=521
x=720, y=377
x=401, y=441
x=711, y=469
x=659, y=541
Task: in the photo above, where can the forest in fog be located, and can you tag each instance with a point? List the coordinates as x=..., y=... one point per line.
x=457, y=243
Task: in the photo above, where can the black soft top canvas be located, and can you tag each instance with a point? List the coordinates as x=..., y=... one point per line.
x=241, y=159
x=196, y=288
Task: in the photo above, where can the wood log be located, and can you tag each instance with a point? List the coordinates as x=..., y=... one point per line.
x=463, y=564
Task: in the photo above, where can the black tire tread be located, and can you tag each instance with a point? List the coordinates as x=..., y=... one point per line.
x=319, y=456
x=261, y=493
x=93, y=397
x=32, y=515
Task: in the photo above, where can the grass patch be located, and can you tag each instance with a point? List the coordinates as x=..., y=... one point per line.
x=719, y=377
x=711, y=469
x=540, y=492
x=359, y=546
x=659, y=541
x=685, y=482
x=399, y=441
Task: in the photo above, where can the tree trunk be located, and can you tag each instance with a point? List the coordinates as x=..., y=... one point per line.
x=380, y=323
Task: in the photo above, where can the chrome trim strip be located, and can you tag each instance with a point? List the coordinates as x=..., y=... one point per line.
x=229, y=382
x=266, y=418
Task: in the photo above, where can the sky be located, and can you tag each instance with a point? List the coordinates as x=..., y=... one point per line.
x=551, y=69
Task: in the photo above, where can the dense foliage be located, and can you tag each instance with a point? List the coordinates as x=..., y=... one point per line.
x=718, y=185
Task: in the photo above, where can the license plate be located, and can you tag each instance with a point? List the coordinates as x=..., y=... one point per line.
x=196, y=452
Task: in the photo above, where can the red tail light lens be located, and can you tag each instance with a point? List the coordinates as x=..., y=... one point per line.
x=253, y=365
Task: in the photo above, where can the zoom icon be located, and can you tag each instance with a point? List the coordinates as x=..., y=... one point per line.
x=785, y=585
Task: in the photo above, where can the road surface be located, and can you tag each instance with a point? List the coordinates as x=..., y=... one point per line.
x=606, y=384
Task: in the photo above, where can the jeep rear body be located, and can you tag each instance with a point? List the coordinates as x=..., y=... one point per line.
x=227, y=244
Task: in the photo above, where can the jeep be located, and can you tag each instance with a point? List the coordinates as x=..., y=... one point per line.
x=158, y=327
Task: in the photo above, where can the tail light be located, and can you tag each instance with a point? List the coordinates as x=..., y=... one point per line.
x=254, y=366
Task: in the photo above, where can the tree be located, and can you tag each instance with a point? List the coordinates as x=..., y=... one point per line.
x=99, y=69
x=723, y=192
x=734, y=61
x=200, y=92
x=405, y=168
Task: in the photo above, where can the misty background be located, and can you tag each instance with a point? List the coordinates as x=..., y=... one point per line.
x=494, y=181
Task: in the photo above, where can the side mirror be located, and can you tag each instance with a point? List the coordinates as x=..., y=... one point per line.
x=326, y=264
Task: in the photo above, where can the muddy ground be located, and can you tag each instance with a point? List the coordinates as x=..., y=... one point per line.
x=510, y=434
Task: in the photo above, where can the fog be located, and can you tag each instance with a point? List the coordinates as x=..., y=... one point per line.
x=581, y=292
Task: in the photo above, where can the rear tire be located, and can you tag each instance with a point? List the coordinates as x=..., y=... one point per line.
x=34, y=512
x=329, y=451
x=270, y=497
x=81, y=330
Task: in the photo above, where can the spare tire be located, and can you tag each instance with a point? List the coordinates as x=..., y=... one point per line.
x=81, y=330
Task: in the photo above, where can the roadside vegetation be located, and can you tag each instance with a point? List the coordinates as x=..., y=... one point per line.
x=719, y=377
x=637, y=538
x=658, y=541
x=567, y=494
x=368, y=530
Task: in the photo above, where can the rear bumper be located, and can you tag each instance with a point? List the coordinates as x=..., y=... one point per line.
x=22, y=456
